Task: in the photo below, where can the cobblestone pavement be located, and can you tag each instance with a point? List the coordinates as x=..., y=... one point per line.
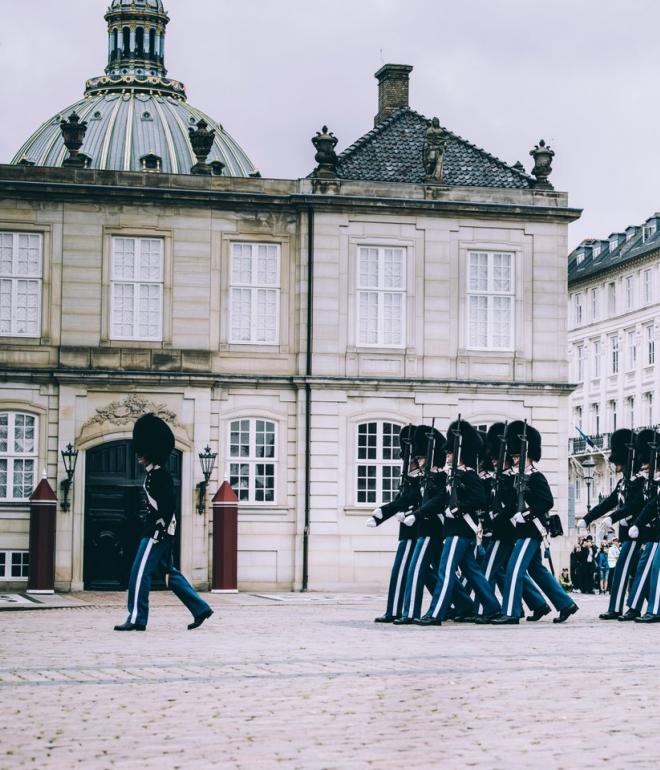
x=309, y=681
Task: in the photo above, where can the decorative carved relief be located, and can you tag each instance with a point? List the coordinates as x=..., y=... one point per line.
x=128, y=410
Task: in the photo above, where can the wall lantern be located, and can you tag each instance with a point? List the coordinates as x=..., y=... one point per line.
x=69, y=458
x=207, y=461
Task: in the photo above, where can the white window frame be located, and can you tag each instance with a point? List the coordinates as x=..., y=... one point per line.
x=578, y=310
x=579, y=362
x=630, y=411
x=595, y=419
x=614, y=242
x=629, y=291
x=377, y=463
x=595, y=303
x=648, y=231
x=14, y=278
x=614, y=354
x=648, y=404
x=256, y=291
x=381, y=291
x=650, y=344
x=612, y=415
x=611, y=298
x=595, y=359
x=253, y=459
x=577, y=416
x=11, y=456
x=631, y=349
x=5, y=575
x=138, y=282
x=595, y=251
x=490, y=294
x=647, y=286
x=578, y=488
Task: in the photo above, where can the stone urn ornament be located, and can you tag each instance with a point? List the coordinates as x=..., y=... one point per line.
x=73, y=133
x=543, y=155
x=326, y=157
x=201, y=140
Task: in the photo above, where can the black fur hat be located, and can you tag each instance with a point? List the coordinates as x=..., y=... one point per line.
x=493, y=440
x=420, y=443
x=514, y=432
x=406, y=435
x=619, y=441
x=642, y=446
x=471, y=446
x=153, y=438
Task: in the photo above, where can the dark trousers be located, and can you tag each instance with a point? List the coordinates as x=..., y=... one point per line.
x=625, y=566
x=396, y=591
x=526, y=557
x=151, y=558
x=639, y=588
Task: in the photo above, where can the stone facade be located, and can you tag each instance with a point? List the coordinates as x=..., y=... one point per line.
x=83, y=385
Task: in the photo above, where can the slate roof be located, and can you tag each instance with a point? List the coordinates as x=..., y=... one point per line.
x=582, y=264
x=392, y=152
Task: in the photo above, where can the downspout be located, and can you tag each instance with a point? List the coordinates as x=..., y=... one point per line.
x=308, y=391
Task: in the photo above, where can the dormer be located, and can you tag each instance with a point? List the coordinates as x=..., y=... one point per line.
x=631, y=232
x=615, y=240
x=649, y=228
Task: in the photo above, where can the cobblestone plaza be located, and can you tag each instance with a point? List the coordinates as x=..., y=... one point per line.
x=309, y=681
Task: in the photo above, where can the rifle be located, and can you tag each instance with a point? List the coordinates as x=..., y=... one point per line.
x=455, y=460
x=650, y=489
x=430, y=451
x=407, y=448
x=496, y=492
x=522, y=463
x=630, y=465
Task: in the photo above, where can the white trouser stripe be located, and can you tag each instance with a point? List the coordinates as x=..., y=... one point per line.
x=656, y=599
x=136, y=590
x=514, y=576
x=624, y=574
x=642, y=579
x=489, y=569
x=420, y=559
x=402, y=572
x=445, y=583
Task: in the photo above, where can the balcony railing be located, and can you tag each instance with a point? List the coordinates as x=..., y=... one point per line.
x=601, y=442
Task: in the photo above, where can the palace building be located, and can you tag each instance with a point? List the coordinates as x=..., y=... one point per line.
x=292, y=326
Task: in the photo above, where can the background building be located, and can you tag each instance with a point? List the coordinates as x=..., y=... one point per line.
x=294, y=326
x=613, y=311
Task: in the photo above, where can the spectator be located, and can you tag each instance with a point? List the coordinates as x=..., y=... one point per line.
x=587, y=560
x=565, y=580
x=603, y=568
x=612, y=558
x=576, y=567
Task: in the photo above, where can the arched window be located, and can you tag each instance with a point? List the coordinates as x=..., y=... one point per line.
x=253, y=459
x=126, y=34
x=378, y=463
x=115, y=44
x=152, y=43
x=18, y=455
x=139, y=42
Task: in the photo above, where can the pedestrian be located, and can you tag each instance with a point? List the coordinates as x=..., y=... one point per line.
x=565, y=580
x=153, y=442
x=603, y=565
x=588, y=565
x=612, y=558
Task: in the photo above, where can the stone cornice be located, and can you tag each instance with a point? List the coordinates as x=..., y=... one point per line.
x=228, y=193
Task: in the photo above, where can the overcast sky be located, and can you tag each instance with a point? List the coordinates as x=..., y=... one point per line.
x=582, y=74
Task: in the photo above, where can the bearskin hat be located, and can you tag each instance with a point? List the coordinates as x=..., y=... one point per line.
x=153, y=438
x=420, y=444
x=643, y=440
x=406, y=435
x=471, y=444
x=619, y=441
x=493, y=440
x=484, y=461
x=514, y=431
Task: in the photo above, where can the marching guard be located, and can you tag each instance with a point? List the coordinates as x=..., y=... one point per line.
x=625, y=501
x=534, y=502
x=153, y=443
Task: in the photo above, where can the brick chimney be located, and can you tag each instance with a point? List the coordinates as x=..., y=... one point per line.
x=393, y=82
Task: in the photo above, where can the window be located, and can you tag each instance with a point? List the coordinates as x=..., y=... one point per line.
x=613, y=244
x=648, y=407
x=648, y=232
x=647, y=286
x=595, y=419
x=611, y=416
x=595, y=359
x=253, y=460
x=137, y=289
x=611, y=298
x=577, y=416
x=18, y=455
x=632, y=350
x=650, y=345
x=579, y=258
x=255, y=293
x=579, y=362
x=629, y=287
x=578, y=488
x=14, y=565
x=595, y=251
x=614, y=354
x=20, y=284
x=381, y=296
x=577, y=308
x=378, y=463
x=630, y=411
x=595, y=304
x=490, y=300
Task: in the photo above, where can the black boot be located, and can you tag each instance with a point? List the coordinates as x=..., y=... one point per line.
x=505, y=620
x=484, y=620
x=629, y=615
x=648, y=618
x=566, y=613
x=609, y=615
x=199, y=619
x=385, y=619
x=538, y=613
x=402, y=621
x=128, y=626
x=429, y=620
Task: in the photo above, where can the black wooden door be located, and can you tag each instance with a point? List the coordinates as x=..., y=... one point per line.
x=115, y=507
